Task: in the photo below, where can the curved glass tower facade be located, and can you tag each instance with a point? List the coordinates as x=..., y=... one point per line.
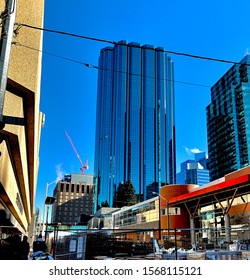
x=135, y=126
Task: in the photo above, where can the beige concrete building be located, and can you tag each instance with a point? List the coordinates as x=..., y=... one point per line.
x=19, y=144
x=73, y=197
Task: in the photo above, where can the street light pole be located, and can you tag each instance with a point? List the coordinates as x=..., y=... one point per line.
x=159, y=217
x=159, y=201
x=167, y=206
x=46, y=194
x=8, y=20
x=47, y=219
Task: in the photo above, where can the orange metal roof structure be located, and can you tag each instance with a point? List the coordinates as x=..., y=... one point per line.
x=224, y=190
x=215, y=193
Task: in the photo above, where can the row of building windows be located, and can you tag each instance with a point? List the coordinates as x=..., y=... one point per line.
x=144, y=213
x=75, y=202
x=73, y=207
x=68, y=196
x=77, y=188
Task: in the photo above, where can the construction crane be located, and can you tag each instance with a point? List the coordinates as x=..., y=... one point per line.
x=83, y=165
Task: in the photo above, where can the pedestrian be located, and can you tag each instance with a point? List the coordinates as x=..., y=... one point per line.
x=10, y=248
x=25, y=248
x=39, y=244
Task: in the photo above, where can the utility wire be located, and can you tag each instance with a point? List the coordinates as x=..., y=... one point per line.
x=55, y=55
x=100, y=68
x=20, y=25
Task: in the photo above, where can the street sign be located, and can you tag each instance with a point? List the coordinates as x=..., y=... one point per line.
x=14, y=120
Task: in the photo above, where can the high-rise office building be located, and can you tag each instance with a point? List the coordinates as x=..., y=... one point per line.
x=135, y=124
x=194, y=171
x=228, y=121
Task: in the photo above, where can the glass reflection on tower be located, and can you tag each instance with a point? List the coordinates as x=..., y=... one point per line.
x=135, y=125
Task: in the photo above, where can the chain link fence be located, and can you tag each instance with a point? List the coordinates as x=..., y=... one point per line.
x=174, y=244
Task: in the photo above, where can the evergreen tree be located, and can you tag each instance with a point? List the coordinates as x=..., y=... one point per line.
x=105, y=204
x=125, y=195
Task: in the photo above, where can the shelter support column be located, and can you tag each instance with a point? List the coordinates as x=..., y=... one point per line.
x=226, y=215
x=192, y=225
x=227, y=227
x=192, y=231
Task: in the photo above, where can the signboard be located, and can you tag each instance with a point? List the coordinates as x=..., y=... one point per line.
x=14, y=120
x=171, y=211
x=72, y=245
x=79, y=247
x=77, y=227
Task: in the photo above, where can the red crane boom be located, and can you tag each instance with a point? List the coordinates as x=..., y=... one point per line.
x=83, y=165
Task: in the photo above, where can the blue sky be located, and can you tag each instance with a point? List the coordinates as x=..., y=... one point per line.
x=217, y=29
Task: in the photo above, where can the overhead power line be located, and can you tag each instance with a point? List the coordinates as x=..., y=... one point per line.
x=101, y=68
x=20, y=25
x=55, y=55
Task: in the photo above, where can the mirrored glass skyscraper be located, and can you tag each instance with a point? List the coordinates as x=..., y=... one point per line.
x=194, y=171
x=135, y=124
x=228, y=121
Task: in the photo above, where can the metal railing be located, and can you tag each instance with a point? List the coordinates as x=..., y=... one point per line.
x=181, y=243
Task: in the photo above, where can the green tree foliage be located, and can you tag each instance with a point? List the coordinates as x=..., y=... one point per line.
x=105, y=204
x=125, y=195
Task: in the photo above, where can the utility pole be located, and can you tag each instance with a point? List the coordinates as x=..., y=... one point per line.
x=8, y=17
